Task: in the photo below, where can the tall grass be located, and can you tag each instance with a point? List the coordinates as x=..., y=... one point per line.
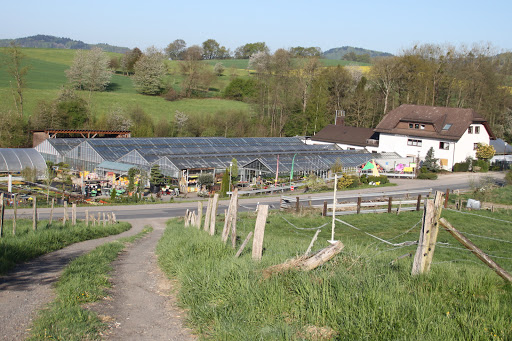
x=357, y=295
x=84, y=281
x=28, y=244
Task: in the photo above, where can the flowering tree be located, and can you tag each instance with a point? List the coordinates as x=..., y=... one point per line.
x=485, y=151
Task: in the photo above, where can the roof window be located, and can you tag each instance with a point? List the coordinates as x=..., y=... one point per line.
x=447, y=126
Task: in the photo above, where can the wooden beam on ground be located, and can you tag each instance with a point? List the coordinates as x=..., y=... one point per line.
x=428, y=235
x=476, y=251
x=259, y=232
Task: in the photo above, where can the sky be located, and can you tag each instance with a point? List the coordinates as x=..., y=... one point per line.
x=387, y=26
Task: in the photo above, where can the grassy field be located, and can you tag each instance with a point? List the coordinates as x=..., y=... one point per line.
x=84, y=280
x=359, y=295
x=28, y=244
x=47, y=76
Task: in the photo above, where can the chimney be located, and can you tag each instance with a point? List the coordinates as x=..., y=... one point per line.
x=339, y=120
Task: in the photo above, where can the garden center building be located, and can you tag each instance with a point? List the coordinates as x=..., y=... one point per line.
x=190, y=156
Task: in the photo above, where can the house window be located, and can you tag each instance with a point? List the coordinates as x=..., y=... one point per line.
x=470, y=130
x=411, y=125
x=475, y=146
x=444, y=145
x=422, y=126
x=412, y=142
x=477, y=130
x=417, y=126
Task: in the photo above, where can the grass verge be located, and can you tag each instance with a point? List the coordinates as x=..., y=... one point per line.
x=84, y=280
x=357, y=295
x=28, y=244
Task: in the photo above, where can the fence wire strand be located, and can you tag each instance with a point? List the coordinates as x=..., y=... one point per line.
x=479, y=215
x=374, y=236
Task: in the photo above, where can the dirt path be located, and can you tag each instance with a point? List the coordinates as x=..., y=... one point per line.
x=30, y=286
x=139, y=306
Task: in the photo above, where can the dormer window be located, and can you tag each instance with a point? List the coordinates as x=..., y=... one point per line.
x=477, y=130
x=411, y=125
x=416, y=126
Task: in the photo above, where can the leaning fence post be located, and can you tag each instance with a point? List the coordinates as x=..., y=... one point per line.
x=390, y=204
x=242, y=247
x=199, y=214
x=475, y=250
x=259, y=232
x=207, y=217
x=213, y=213
x=428, y=235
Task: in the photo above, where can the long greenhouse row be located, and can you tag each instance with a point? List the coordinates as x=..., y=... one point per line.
x=255, y=156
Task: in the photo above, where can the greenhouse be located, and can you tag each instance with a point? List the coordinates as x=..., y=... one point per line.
x=15, y=160
x=188, y=157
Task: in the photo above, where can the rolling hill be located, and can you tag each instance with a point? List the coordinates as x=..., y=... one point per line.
x=51, y=42
x=339, y=52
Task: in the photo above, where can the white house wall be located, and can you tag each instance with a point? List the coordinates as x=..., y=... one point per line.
x=457, y=151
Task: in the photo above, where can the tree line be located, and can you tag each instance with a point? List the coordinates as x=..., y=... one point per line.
x=289, y=95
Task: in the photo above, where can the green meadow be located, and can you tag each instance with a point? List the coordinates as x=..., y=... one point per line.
x=366, y=292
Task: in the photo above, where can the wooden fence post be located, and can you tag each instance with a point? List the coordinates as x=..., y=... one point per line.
x=86, y=217
x=214, y=213
x=51, y=211
x=297, y=204
x=199, y=214
x=281, y=203
x=234, y=216
x=324, y=211
x=73, y=214
x=65, y=213
x=418, y=203
x=259, y=232
x=207, y=217
x=476, y=251
x=359, y=205
x=428, y=235
x=2, y=215
x=390, y=204
x=15, y=216
x=34, y=215
x=446, y=198
x=104, y=221
x=187, y=221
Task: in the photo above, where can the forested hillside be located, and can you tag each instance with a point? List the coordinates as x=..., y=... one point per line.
x=46, y=42
x=268, y=94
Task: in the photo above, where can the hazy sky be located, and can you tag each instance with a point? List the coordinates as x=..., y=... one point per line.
x=379, y=25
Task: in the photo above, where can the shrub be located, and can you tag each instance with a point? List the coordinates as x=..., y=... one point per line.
x=364, y=179
x=171, y=95
x=427, y=176
x=508, y=177
x=355, y=181
x=461, y=167
x=483, y=165
x=382, y=179
x=345, y=181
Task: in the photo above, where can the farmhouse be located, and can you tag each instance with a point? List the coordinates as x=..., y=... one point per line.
x=411, y=130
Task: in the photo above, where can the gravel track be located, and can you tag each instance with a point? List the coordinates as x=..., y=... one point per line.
x=139, y=305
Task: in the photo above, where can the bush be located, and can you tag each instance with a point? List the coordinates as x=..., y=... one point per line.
x=364, y=179
x=355, y=181
x=461, y=167
x=171, y=95
x=345, y=181
x=508, y=177
x=427, y=176
x=382, y=179
x=483, y=165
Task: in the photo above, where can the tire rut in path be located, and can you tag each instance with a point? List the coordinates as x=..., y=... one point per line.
x=139, y=306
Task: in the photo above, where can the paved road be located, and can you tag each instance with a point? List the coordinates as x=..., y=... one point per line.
x=451, y=181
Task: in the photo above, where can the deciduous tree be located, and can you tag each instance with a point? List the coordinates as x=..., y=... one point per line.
x=18, y=71
x=175, y=49
x=90, y=70
x=149, y=72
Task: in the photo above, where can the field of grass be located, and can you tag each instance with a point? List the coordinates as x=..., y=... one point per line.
x=47, y=76
x=28, y=244
x=358, y=295
x=84, y=280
